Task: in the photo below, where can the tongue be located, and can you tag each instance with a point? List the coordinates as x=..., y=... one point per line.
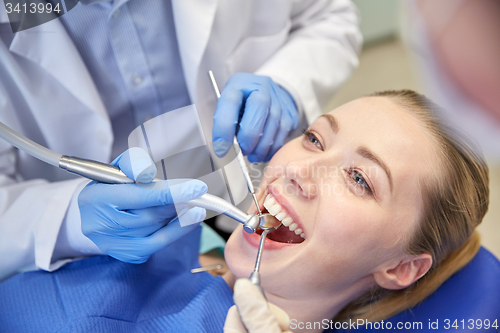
x=284, y=235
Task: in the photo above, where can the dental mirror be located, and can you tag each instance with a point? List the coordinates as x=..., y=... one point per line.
x=269, y=222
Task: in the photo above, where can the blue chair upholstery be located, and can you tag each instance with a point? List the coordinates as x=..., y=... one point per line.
x=100, y=294
x=473, y=293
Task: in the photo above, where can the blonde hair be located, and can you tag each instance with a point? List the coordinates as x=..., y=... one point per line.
x=454, y=205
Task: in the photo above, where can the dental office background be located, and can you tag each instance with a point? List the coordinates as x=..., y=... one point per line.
x=388, y=61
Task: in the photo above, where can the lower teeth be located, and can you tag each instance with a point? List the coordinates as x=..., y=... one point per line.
x=285, y=235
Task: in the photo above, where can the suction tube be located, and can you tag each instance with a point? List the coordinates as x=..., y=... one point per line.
x=30, y=147
x=94, y=170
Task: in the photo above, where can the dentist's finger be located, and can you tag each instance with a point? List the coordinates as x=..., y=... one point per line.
x=133, y=196
x=254, y=119
x=136, y=164
x=233, y=323
x=173, y=231
x=148, y=217
x=253, y=309
x=284, y=129
x=226, y=119
x=269, y=132
x=137, y=250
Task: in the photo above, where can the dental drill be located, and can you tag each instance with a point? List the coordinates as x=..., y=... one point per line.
x=109, y=174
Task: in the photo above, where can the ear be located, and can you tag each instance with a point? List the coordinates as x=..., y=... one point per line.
x=405, y=273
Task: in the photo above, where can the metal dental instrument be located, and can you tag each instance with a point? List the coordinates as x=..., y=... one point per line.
x=206, y=268
x=109, y=174
x=212, y=202
x=268, y=227
x=101, y=172
x=239, y=156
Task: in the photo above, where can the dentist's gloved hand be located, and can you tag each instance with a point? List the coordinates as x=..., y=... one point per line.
x=268, y=114
x=252, y=313
x=129, y=221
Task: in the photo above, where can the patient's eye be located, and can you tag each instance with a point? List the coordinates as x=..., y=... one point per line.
x=358, y=180
x=311, y=138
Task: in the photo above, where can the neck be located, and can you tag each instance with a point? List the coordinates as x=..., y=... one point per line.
x=313, y=315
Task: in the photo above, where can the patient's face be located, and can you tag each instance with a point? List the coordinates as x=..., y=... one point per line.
x=352, y=185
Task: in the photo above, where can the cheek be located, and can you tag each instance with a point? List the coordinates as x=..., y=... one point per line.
x=275, y=169
x=282, y=157
x=354, y=233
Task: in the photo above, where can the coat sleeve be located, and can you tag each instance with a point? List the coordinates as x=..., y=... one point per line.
x=322, y=50
x=35, y=214
x=31, y=215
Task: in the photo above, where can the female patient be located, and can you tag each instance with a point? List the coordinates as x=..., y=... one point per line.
x=376, y=197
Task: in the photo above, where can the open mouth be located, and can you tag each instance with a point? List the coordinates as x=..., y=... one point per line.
x=289, y=232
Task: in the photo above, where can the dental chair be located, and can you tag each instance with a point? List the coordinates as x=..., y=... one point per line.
x=473, y=293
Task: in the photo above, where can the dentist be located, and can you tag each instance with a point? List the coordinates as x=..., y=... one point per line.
x=81, y=83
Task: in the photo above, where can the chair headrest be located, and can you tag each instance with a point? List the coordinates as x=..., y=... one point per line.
x=471, y=293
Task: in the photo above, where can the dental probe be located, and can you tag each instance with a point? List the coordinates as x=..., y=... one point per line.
x=239, y=156
x=109, y=174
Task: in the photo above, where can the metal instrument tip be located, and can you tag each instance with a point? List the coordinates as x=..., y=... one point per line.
x=256, y=203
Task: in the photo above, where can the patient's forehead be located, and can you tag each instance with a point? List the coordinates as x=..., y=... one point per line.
x=394, y=134
x=384, y=125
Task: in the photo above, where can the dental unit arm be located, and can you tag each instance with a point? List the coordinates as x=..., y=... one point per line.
x=109, y=174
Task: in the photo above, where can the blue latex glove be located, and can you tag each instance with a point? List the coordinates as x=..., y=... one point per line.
x=252, y=313
x=268, y=113
x=129, y=221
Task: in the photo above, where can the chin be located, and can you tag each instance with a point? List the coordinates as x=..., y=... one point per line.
x=239, y=257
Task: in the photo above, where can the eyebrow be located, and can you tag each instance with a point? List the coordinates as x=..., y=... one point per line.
x=363, y=151
x=333, y=122
x=367, y=153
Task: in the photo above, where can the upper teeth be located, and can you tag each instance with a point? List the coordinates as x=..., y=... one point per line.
x=281, y=214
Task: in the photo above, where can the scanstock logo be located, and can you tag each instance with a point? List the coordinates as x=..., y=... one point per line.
x=25, y=14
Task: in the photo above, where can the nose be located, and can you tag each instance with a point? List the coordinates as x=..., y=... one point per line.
x=303, y=177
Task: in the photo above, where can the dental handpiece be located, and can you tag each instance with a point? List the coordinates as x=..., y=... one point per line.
x=211, y=202
x=109, y=174
x=239, y=154
x=94, y=170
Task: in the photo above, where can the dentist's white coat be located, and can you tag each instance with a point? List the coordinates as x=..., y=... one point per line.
x=46, y=93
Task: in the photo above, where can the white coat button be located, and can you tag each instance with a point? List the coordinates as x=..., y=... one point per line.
x=137, y=80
